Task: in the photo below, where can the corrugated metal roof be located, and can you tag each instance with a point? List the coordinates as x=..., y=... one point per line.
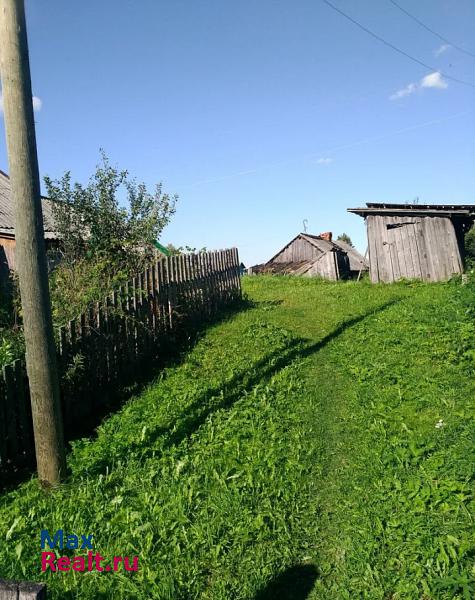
x=7, y=217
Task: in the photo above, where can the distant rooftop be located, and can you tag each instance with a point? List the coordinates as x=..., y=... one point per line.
x=7, y=217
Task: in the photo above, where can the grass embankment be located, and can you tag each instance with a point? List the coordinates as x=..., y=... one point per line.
x=295, y=449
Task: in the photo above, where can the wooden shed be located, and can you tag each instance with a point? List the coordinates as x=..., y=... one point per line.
x=311, y=256
x=415, y=241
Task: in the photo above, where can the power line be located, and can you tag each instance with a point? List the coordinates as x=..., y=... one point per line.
x=386, y=43
x=431, y=30
x=327, y=151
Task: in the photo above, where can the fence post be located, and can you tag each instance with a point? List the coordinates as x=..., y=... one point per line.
x=113, y=341
x=24, y=590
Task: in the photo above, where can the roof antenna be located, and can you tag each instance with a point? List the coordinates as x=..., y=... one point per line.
x=305, y=223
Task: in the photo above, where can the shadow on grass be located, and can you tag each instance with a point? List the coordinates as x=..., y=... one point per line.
x=229, y=392
x=294, y=583
x=171, y=352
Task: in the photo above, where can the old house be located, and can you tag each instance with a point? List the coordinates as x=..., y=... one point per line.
x=358, y=262
x=415, y=241
x=7, y=227
x=311, y=256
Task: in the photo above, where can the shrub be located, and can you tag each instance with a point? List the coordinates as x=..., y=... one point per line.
x=107, y=230
x=470, y=249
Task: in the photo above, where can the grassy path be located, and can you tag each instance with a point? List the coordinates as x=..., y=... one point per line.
x=293, y=454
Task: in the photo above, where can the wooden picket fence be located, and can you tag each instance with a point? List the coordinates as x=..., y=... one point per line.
x=107, y=346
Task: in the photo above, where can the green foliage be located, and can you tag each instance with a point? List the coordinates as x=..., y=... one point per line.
x=111, y=218
x=6, y=352
x=75, y=285
x=340, y=437
x=11, y=335
x=174, y=250
x=107, y=229
x=344, y=237
x=470, y=249
x=75, y=368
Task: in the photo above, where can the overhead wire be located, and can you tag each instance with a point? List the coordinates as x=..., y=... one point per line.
x=395, y=48
x=441, y=37
x=330, y=150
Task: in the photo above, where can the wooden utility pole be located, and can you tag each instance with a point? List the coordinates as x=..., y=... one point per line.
x=30, y=251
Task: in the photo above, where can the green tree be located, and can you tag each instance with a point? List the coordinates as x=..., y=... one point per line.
x=106, y=230
x=470, y=248
x=174, y=250
x=112, y=216
x=344, y=237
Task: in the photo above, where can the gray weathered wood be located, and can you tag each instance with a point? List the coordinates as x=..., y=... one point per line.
x=31, y=591
x=8, y=590
x=419, y=247
x=114, y=335
x=30, y=247
x=22, y=590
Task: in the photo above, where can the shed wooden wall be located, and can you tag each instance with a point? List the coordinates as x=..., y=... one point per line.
x=326, y=266
x=419, y=248
x=297, y=251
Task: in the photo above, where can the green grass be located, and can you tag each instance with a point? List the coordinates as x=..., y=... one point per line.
x=294, y=452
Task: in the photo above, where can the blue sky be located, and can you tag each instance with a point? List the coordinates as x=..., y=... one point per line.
x=258, y=114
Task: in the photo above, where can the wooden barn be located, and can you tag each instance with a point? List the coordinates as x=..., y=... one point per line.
x=415, y=241
x=311, y=256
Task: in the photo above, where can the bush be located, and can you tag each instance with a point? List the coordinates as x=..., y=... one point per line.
x=107, y=231
x=470, y=249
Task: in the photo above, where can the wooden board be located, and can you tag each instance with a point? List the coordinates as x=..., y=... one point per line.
x=115, y=336
x=412, y=248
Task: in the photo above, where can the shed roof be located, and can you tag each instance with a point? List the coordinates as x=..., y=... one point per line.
x=435, y=210
x=7, y=217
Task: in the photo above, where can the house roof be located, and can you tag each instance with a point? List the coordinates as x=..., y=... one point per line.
x=315, y=240
x=7, y=217
x=287, y=268
x=357, y=261
x=435, y=210
x=320, y=243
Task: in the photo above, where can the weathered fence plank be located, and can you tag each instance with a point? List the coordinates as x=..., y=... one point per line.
x=108, y=342
x=23, y=590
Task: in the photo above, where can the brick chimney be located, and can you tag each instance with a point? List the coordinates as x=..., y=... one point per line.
x=326, y=236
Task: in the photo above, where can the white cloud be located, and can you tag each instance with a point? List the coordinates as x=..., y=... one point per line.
x=441, y=49
x=37, y=103
x=409, y=89
x=434, y=80
x=324, y=161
